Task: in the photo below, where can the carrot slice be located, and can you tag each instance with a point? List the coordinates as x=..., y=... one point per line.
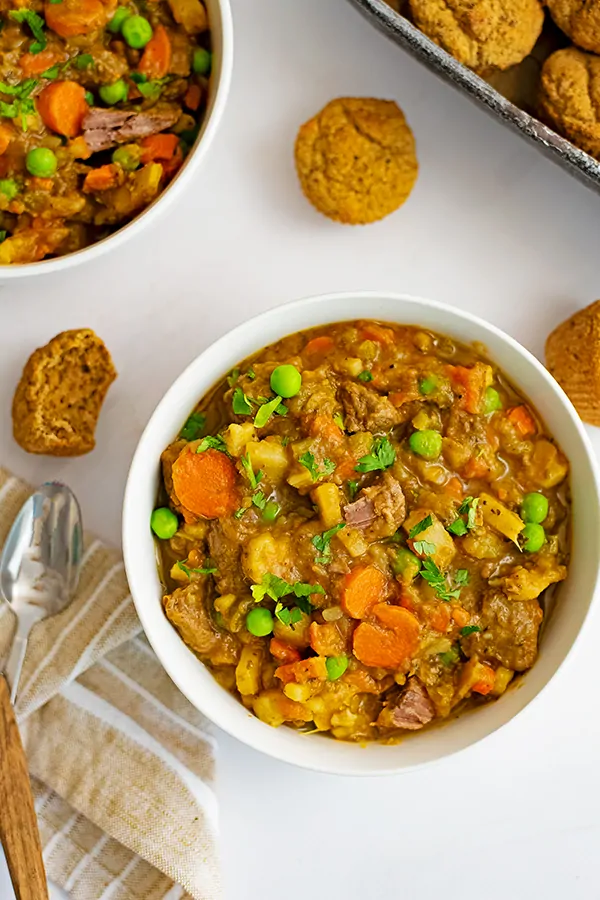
x=439, y=619
x=63, y=107
x=156, y=59
x=72, y=17
x=460, y=616
x=470, y=385
x=455, y=488
x=206, y=483
x=6, y=136
x=521, y=418
x=476, y=467
x=387, y=645
x=324, y=426
x=319, y=345
x=303, y=671
x=41, y=184
x=32, y=64
x=192, y=97
x=158, y=147
x=101, y=179
x=486, y=682
x=374, y=332
x=362, y=588
x=282, y=652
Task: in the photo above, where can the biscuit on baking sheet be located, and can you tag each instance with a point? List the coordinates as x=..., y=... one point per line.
x=356, y=159
x=569, y=91
x=573, y=358
x=579, y=19
x=58, y=399
x=481, y=34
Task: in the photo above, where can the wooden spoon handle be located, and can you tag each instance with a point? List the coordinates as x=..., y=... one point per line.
x=18, y=823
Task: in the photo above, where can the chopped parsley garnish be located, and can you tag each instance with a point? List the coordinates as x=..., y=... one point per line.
x=36, y=24
x=235, y=373
x=251, y=374
x=252, y=478
x=458, y=528
x=209, y=569
x=3, y=234
x=382, y=456
x=84, y=60
x=194, y=427
x=469, y=629
x=241, y=511
x=151, y=90
x=212, y=442
x=420, y=527
x=424, y=548
x=287, y=616
x=365, y=376
x=22, y=105
x=259, y=500
x=241, y=405
x=308, y=461
x=321, y=542
x=353, y=489
x=469, y=508
x=51, y=73
x=339, y=421
x=266, y=411
x=438, y=581
x=450, y=657
x=276, y=588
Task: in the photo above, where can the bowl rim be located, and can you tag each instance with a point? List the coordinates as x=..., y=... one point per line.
x=139, y=473
x=151, y=213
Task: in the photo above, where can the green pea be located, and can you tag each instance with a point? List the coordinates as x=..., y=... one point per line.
x=201, y=61
x=271, y=511
x=428, y=385
x=137, y=31
x=89, y=98
x=41, y=162
x=113, y=93
x=164, y=523
x=259, y=622
x=116, y=23
x=286, y=381
x=533, y=537
x=491, y=401
x=406, y=564
x=534, y=508
x=336, y=666
x=9, y=187
x=124, y=158
x=427, y=444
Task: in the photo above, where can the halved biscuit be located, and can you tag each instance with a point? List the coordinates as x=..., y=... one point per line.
x=573, y=358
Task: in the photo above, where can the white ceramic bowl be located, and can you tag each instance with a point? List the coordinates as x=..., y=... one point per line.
x=313, y=751
x=221, y=28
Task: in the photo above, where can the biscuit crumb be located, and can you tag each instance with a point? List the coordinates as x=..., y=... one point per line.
x=573, y=358
x=58, y=399
x=356, y=160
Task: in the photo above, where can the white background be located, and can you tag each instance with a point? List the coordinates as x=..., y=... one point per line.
x=491, y=227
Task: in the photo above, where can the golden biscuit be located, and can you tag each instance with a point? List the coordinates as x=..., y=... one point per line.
x=62, y=388
x=579, y=19
x=569, y=96
x=573, y=358
x=356, y=160
x=481, y=34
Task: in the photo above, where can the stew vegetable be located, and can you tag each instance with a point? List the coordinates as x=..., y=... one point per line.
x=357, y=528
x=99, y=105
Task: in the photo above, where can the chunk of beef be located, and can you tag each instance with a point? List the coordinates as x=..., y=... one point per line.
x=380, y=509
x=187, y=609
x=509, y=632
x=225, y=550
x=103, y=128
x=360, y=514
x=411, y=711
x=366, y=410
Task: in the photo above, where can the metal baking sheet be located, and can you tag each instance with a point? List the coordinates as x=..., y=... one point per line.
x=484, y=93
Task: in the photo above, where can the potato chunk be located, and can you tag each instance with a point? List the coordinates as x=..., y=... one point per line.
x=327, y=498
x=267, y=553
x=498, y=516
x=435, y=534
x=247, y=673
x=237, y=436
x=270, y=456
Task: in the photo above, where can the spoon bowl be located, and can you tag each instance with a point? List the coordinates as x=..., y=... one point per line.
x=39, y=566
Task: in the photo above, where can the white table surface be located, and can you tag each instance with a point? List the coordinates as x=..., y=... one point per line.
x=491, y=227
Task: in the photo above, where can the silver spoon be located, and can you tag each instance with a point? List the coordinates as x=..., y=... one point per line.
x=39, y=571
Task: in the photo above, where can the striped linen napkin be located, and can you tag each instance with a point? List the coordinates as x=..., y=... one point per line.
x=122, y=765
